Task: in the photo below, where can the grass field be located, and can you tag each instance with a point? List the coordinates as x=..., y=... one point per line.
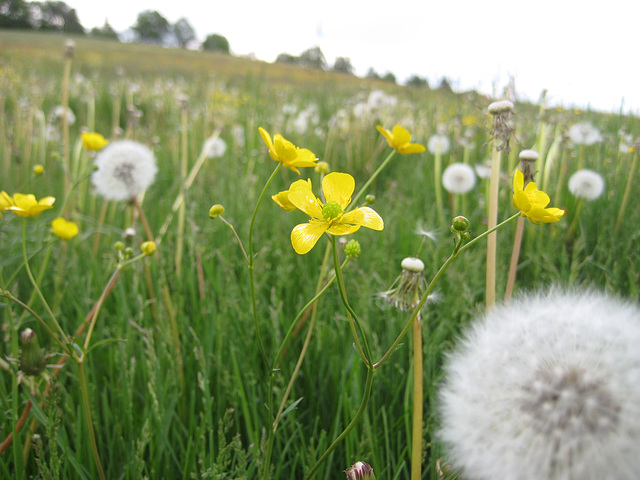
x=180, y=379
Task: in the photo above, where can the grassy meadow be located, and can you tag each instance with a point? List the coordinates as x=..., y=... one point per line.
x=174, y=382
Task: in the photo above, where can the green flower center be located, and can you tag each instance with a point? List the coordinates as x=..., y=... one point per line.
x=331, y=210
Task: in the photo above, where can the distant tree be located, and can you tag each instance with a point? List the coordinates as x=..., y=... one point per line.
x=372, y=74
x=55, y=16
x=216, y=43
x=183, y=32
x=445, y=86
x=389, y=77
x=106, y=31
x=14, y=14
x=313, y=58
x=417, y=81
x=151, y=27
x=287, y=58
x=343, y=64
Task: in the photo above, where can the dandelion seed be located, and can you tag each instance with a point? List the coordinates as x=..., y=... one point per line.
x=483, y=170
x=439, y=143
x=58, y=112
x=458, y=178
x=125, y=169
x=584, y=133
x=586, y=184
x=547, y=387
x=215, y=147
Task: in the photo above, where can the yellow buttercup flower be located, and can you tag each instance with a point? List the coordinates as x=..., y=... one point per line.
x=400, y=139
x=5, y=201
x=28, y=206
x=64, y=229
x=148, y=248
x=94, y=141
x=282, y=150
x=532, y=202
x=282, y=198
x=329, y=217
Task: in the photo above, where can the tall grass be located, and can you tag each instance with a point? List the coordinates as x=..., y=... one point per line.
x=213, y=424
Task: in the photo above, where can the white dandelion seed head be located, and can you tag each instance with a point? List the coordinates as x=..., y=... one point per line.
x=58, y=112
x=483, y=170
x=125, y=169
x=237, y=132
x=215, y=147
x=500, y=106
x=528, y=155
x=584, y=133
x=379, y=99
x=458, y=178
x=546, y=387
x=439, y=143
x=586, y=184
x=412, y=264
x=430, y=234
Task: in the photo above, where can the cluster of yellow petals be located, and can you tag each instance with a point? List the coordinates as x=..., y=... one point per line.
x=532, y=202
x=25, y=205
x=400, y=139
x=282, y=150
x=93, y=141
x=329, y=217
x=64, y=229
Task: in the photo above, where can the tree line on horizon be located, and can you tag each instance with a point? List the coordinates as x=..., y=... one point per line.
x=151, y=27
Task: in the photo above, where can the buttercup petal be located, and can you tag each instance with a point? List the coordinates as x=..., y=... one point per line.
x=304, y=199
x=364, y=216
x=306, y=235
x=342, y=229
x=338, y=187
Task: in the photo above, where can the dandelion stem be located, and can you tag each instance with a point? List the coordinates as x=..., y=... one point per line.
x=416, y=436
x=492, y=220
x=515, y=255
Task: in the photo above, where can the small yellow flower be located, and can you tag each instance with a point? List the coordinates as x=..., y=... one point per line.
x=282, y=198
x=329, y=217
x=93, y=141
x=282, y=150
x=148, y=248
x=38, y=169
x=215, y=211
x=400, y=139
x=28, y=206
x=64, y=229
x=532, y=202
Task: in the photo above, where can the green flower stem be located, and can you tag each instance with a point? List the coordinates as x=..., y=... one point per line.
x=458, y=249
x=354, y=202
x=492, y=220
x=627, y=191
x=251, y=265
x=416, y=434
x=437, y=178
x=235, y=234
x=363, y=405
x=98, y=306
x=35, y=284
x=353, y=317
x=87, y=414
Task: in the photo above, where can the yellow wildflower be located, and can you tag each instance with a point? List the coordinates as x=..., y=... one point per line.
x=64, y=229
x=38, y=169
x=400, y=139
x=329, y=217
x=93, y=141
x=532, y=202
x=5, y=201
x=282, y=150
x=282, y=198
x=28, y=206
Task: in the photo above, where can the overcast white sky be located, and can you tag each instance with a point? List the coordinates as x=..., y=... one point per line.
x=582, y=51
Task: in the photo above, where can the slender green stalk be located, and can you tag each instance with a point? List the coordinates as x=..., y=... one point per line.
x=252, y=281
x=87, y=413
x=492, y=220
x=627, y=192
x=437, y=179
x=515, y=255
x=354, y=202
x=416, y=436
x=363, y=405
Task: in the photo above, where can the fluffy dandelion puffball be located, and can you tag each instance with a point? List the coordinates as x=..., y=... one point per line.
x=125, y=169
x=584, y=133
x=439, y=143
x=458, y=178
x=586, y=184
x=546, y=387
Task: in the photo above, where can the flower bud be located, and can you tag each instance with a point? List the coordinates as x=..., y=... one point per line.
x=360, y=471
x=369, y=199
x=119, y=246
x=38, y=169
x=352, y=249
x=460, y=224
x=216, y=211
x=32, y=359
x=322, y=168
x=148, y=248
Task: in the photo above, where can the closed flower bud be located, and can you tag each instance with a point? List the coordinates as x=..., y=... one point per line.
x=38, y=169
x=360, y=471
x=216, y=211
x=460, y=224
x=148, y=248
x=32, y=359
x=322, y=168
x=369, y=199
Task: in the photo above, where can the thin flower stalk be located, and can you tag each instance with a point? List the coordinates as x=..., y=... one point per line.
x=492, y=220
x=418, y=401
x=87, y=413
x=627, y=192
x=183, y=176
